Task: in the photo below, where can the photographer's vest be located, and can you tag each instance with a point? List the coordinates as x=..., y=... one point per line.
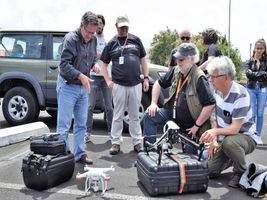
x=192, y=100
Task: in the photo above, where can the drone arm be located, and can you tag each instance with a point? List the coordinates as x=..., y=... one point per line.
x=87, y=184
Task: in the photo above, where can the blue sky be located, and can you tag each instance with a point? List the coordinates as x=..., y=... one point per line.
x=147, y=17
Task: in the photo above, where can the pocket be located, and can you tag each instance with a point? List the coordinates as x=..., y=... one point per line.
x=60, y=83
x=263, y=90
x=227, y=116
x=114, y=90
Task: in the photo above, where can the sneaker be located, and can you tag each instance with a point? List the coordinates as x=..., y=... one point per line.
x=138, y=148
x=87, y=139
x=234, y=182
x=85, y=160
x=115, y=149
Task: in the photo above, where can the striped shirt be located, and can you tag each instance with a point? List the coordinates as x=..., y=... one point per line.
x=236, y=105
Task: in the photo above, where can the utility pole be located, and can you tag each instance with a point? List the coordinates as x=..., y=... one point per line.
x=250, y=48
x=229, y=30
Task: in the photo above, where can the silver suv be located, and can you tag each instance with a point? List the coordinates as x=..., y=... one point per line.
x=28, y=72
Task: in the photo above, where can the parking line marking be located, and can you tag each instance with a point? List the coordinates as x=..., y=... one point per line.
x=19, y=155
x=14, y=186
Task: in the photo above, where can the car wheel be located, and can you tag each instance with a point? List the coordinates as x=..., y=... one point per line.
x=144, y=104
x=20, y=106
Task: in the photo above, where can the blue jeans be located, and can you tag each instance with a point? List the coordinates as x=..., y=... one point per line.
x=99, y=84
x=258, y=98
x=72, y=101
x=150, y=128
x=150, y=123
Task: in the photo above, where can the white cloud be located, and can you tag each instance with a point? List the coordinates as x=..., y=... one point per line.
x=147, y=17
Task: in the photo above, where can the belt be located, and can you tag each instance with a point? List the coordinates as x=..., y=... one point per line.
x=74, y=82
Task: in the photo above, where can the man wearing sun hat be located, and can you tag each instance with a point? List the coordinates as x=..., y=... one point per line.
x=190, y=102
x=127, y=53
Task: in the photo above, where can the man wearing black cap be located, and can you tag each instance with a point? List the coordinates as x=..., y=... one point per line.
x=127, y=53
x=190, y=102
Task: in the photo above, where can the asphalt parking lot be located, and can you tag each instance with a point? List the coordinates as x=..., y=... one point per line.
x=124, y=183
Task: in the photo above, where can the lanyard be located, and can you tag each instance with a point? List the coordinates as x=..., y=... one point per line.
x=177, y=95
x=122, y=47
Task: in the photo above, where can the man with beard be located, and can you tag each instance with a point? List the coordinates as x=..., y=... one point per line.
x=190, y=102
x=99, y=84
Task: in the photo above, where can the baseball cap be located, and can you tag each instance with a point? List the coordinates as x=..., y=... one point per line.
x=122, y=21
x=184, y=50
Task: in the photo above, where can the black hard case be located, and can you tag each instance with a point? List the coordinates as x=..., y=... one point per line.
x=47, y=145
x=164, y=179
x=42, y=172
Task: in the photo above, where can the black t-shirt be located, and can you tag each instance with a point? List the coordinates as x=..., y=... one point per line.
x=128, y=73
x=183, y=117
x=172, y=59
x=212, y=50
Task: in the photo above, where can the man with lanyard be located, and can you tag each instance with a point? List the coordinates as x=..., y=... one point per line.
x=190, y=102
x=73, y=84
x=127, y=53
x=99, y=84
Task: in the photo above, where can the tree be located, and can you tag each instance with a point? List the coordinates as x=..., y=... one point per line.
x=161, y=46
x=165, y=41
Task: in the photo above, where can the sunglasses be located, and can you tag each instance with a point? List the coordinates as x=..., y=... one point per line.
x=185, y=38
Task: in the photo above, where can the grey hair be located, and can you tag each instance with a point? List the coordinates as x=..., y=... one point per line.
x=224, y=65
x=89, y=18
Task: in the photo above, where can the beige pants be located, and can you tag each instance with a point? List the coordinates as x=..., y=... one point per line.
x=126, y=99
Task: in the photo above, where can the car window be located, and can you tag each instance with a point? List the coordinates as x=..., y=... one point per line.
x=22, y=46
x=57, y=47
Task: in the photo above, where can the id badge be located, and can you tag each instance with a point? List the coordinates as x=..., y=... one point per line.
x=121, y=60
x=174, y=113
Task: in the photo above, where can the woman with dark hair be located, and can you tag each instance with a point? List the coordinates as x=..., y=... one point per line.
x=257, y=82
x=209, y=39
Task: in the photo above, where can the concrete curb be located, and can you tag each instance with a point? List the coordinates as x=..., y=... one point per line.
x=23, y=132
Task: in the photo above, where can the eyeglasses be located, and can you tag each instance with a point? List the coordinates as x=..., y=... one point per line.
x=88, y=32
x=185, y=38
x=259, y=48
x=213, y=77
